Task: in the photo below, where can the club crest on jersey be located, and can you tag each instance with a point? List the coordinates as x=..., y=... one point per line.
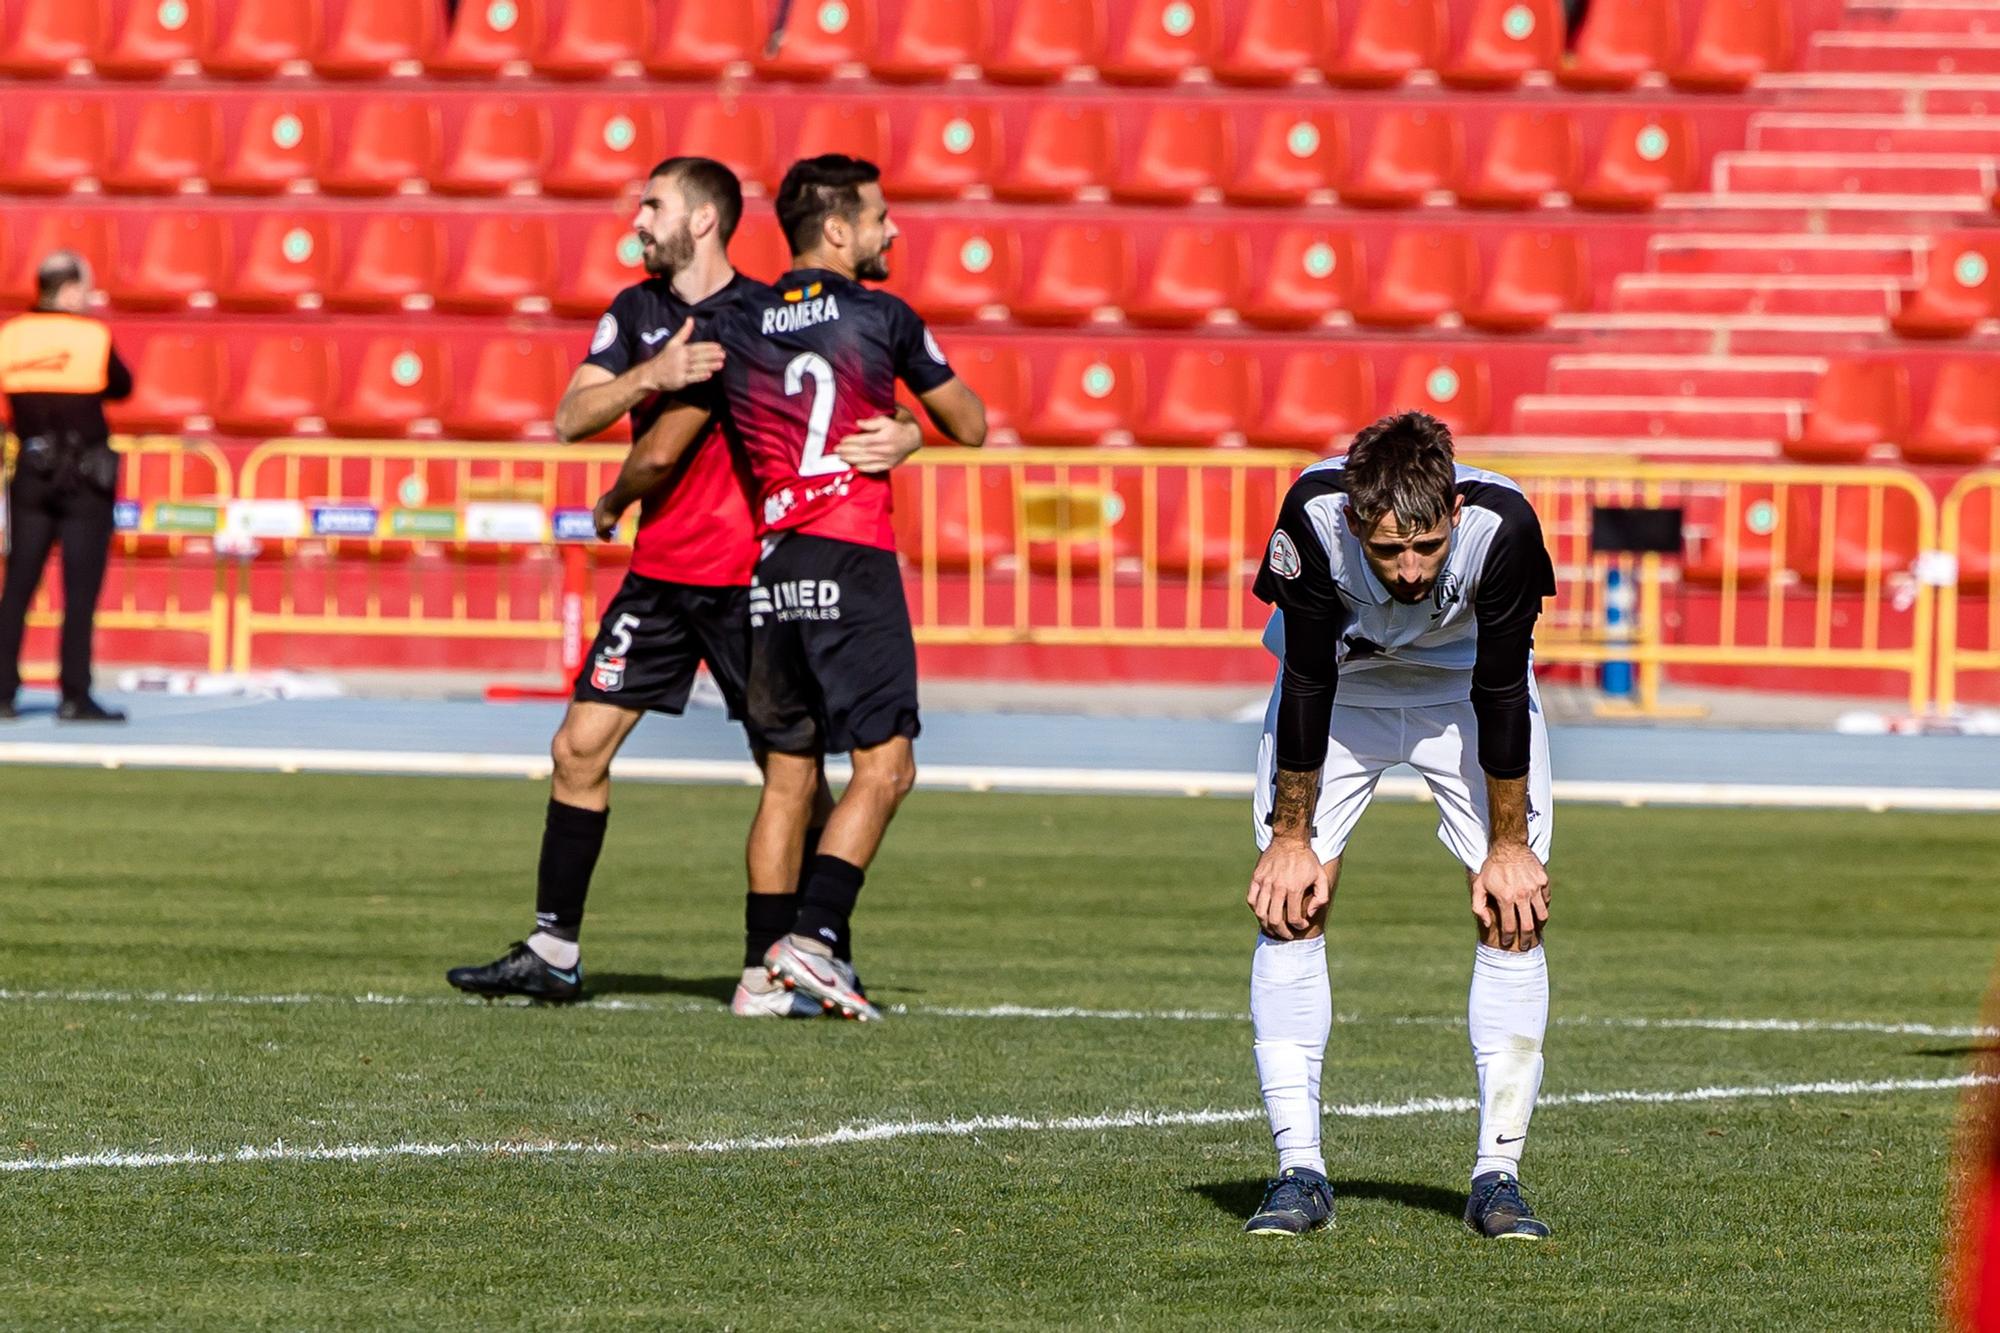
x=1284, y=556
x=607, y=333
x=1447, y=592
x=805, y=308
x=608, y=674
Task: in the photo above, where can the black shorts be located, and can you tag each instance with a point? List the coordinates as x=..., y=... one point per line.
x=653, y=634
x=833, y=664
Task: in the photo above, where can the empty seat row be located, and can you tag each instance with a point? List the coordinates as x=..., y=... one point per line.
x=1861, y=405
x=1354, y=43
x=1172, y=154
x=1959, y=287
x=1082, y=272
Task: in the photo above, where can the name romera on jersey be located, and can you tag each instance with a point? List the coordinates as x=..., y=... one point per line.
x=803, y=308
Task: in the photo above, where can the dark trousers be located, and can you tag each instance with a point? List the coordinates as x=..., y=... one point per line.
x=42, y=513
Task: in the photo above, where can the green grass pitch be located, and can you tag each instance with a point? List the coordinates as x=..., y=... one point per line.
x=1810, y=1209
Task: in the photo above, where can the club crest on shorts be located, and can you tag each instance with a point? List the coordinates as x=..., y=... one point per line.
x=1284, y=555
x=608, y=674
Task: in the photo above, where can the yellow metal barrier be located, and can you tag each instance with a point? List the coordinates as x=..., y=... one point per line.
x=163, y=575
x=1970, y=534
x=452, y=541
x=1790, y=567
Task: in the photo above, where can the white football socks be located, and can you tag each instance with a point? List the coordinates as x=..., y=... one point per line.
x=1508, y=1014
x=554, y=951
x=1291, y=1013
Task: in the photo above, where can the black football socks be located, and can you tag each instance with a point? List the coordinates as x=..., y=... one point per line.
x=831, y=886
x=572, y=837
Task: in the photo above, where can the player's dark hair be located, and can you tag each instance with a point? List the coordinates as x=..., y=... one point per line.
x=703, y=180
x=817, y=188
x=1402, y=465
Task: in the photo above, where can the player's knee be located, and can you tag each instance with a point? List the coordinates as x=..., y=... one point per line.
x=578, y=763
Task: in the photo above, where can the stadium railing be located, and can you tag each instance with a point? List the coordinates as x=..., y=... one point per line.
x=1968, y=609
x=164, y=576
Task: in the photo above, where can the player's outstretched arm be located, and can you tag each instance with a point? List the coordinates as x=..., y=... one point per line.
x=596, y=398
x=957, y=411
x=651, y=460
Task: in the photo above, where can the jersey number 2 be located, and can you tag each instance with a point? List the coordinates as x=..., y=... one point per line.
x=815, y=461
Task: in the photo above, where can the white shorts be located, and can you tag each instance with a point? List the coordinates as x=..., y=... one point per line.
x=1441, y=742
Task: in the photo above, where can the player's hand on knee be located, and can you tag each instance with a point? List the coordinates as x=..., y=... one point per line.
x=1510, y=894
x=1289, y=889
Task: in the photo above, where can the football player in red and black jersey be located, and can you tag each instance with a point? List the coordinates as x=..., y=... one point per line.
x=684, y=600
x=833, y=664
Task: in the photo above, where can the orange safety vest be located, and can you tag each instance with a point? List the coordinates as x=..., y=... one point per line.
x=51, y=352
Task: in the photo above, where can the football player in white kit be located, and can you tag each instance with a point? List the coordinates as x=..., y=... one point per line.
x=1411, y=585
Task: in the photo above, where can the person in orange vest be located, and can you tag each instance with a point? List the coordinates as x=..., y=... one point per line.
x=57, y=369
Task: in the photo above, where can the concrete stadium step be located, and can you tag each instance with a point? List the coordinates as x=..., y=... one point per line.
x=1664, y=375
x=1778, y=211
x=1866, y=172
x=1638, y=417
x=1826, y=132
x=1788, y=253
x=1933, y=16
x=1731, y=294
x=1846, y=52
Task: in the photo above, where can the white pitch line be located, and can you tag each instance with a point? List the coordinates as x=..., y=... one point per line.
x=883, y=1131
x=1041, y=1013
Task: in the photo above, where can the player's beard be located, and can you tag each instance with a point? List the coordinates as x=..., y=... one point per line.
x=671, y=253
x=875, y=268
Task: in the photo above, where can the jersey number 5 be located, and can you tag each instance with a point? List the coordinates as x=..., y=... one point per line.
x=815, y=461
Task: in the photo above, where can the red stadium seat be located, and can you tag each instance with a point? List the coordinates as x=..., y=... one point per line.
x=511, y=391
x=1979, y=542
x=1197, y=270
x=285, y=383
x=280, y=143
x=1091, y=393
x=1161, y=40
x=820, y=39
x=1529, y=155
x=1321, y=398
x=1506, y=40
x=507, y=261
x=1387, y=41
x=1724, y=536
x=935, y=516
x=967, y=267
x=593, y=40
x=697, y=39
x=1536, y=275
x=395, y=260
x=611, y=145
x=1962, y=427
x=999, y=376
x=1274, y=41
x=390, y=143
x=265, y=37
x=1647, y=154
x=1046, y=40
x=44, y=38
x=88, y=235
x=1846, y=535
x=174, y=141
x=1412, y=153
x=1960, y=288
x=1621, y=42
x=951, y=147
x=733, y=133
x=376, y=37
x=178, y=378
x=289, y=258
x=1183, y=151
x=1297, y=155
x=489, y=37
x=1313, y=272
x=502, y=145
x=608, y=261
x=401, y=381
x=151, y=41
x=760, y=248
x=1065, y=150
x=858, y=129
x=1856, y=406
x=1454, y=387
x=1083, y=268
x=1207, y=394
x=1426, y=274
x=933, y=38
x=66, y=141
x=1735, y=41
x=1208, y=521
x=182, y=259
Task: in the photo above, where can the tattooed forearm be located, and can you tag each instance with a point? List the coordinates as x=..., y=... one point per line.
x=1291, y=811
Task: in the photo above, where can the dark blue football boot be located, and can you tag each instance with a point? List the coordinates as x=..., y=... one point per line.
x=1298, y=1201
x=521, y=972
x=1497, y=1210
